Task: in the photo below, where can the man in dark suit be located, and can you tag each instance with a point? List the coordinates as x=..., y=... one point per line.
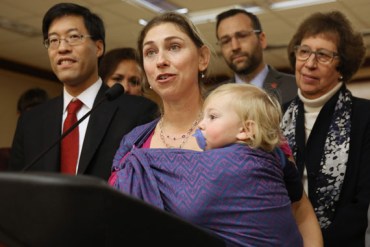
x=242, y=42
x=75, y=40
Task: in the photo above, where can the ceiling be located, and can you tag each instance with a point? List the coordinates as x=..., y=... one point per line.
x=122, y=28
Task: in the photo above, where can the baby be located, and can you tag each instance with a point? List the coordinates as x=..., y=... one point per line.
x=245, y=120
x=240, y=113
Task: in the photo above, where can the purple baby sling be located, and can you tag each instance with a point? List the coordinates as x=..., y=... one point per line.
x=236, y=192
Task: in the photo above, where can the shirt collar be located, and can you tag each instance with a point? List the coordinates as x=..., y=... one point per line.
x=311, y=105
x=87, y=97
x=257, y=80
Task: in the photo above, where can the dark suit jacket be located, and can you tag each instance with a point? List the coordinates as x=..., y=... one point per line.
x=282, y=85
x=350, y=219
x=40, y=127
x=279, y=84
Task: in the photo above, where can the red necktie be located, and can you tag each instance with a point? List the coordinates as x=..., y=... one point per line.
x=69, y=145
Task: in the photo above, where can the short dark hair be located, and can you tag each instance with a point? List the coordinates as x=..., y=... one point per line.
x=112, y=58
x=335, y=26
x=94, y=24
x=31, y=98
x=231, y=12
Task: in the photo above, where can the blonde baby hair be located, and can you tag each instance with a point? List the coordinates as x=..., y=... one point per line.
x=253, y=104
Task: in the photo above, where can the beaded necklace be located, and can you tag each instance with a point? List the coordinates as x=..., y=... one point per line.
x=183, y=137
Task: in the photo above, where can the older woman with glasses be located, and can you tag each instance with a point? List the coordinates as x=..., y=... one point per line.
x=329, y=129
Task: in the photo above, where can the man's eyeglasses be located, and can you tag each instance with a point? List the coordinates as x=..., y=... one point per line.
x=241, y=35
x=72, y=39
x=323, y=56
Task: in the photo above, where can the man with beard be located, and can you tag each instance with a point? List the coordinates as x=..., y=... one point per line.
x=242, y=42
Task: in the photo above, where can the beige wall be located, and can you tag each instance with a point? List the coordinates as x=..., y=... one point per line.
x=12, y=85
x=360, y=89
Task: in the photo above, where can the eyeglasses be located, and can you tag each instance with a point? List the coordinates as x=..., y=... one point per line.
x=72, y=39
x=323, y=56
x=241, y=35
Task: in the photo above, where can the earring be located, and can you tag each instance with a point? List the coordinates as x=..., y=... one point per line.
x=202, y=75
x=150, y=86
x=341, y=78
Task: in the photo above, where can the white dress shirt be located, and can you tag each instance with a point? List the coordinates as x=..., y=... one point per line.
x=257, y=80
x=87, y=97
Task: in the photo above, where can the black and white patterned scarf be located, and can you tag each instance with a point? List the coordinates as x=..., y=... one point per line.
x=333, y=126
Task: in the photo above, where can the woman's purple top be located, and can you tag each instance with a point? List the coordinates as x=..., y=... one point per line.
x=236, y=192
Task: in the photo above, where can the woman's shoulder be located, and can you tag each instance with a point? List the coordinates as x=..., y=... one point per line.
x=140, y=132
x=361, y=109
x=361, y=102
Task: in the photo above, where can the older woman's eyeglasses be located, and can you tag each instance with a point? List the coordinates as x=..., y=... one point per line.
x=241, y=35
x=323, y=56
x=71, y=39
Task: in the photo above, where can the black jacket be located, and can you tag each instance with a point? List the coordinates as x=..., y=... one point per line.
x=38, y=128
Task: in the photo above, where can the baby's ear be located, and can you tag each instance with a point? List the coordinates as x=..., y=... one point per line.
x=247, y=132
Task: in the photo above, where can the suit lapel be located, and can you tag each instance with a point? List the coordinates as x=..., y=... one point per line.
x=52, y=132
x=96, y=129
x=272, y=81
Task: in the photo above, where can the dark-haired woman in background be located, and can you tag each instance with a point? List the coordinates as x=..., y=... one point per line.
x=122, y=65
